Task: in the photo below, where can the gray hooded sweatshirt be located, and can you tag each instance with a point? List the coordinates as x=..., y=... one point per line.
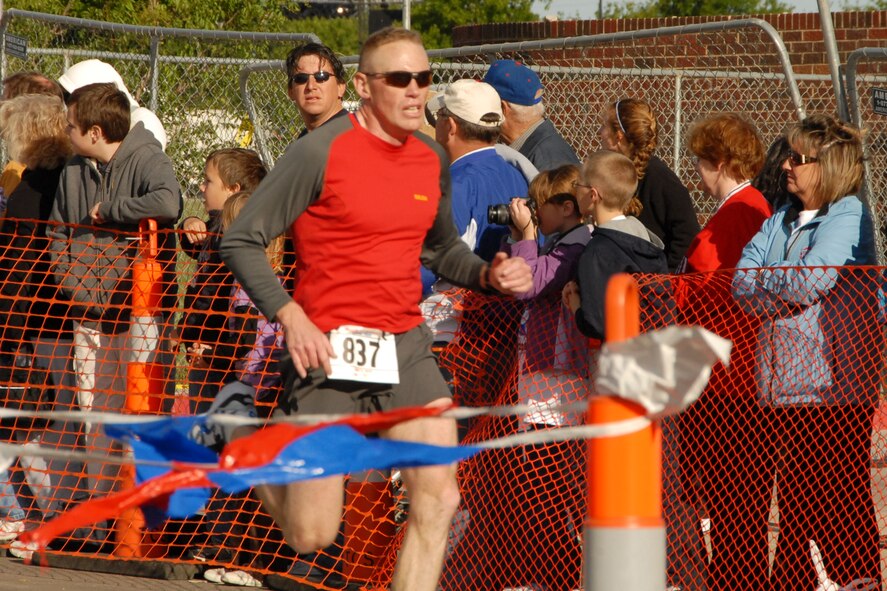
x=92, y=263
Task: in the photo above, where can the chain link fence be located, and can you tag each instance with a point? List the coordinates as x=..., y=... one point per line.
x=866, y=73
x=214, y=89
x=684, y=72
x=188, y=77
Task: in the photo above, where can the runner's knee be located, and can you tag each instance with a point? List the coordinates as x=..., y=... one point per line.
x=307, y=538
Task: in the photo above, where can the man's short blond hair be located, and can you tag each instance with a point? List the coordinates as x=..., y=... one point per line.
x=613, y=175
x=384, y=37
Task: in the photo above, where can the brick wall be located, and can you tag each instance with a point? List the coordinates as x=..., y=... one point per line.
x=801, y=32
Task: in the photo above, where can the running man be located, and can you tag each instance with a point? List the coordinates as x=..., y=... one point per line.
x=365, y=199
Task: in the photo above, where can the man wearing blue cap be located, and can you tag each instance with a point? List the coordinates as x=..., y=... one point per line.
x=525, y=128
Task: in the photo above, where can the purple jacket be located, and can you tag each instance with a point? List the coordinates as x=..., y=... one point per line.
x=262, y=341
x=552, y=353
x=554, y=264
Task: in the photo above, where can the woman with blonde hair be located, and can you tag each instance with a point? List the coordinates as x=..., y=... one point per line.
x=628, y=126
x=818, y=358
x=35, y=131
x=34, y=128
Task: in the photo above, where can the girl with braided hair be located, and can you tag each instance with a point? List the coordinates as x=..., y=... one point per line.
x=662, y=203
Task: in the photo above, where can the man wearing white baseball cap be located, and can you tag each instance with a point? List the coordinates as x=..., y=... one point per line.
x=468, y=120
x=467, y=123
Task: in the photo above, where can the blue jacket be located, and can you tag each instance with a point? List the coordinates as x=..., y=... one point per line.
x=480, y=179
x=815, y=338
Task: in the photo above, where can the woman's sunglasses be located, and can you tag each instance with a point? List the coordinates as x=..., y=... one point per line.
x=796, y=159
x=401, y=79
x=302, y=77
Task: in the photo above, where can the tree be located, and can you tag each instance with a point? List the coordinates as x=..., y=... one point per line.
x=340, y=34
x=657, y=8
x=852, y=5
x=260, y=15
x=435, y=19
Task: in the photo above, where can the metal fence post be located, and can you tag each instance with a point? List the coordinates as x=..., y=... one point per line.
x=4, y=26
x=678, y=121
x=871, y=183
x=832, y=56
x=154, y=62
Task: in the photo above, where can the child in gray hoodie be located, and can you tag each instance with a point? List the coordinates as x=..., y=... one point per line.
x=620, y=243
x=118, y=177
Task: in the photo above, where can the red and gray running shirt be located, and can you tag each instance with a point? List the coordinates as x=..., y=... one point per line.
x=363, y=213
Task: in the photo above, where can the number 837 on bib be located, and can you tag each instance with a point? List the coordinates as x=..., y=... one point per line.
x=363, y=355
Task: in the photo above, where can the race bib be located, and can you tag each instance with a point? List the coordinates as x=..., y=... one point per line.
x=363, y=355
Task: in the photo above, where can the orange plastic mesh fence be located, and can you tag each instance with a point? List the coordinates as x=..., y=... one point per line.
x=786, y=445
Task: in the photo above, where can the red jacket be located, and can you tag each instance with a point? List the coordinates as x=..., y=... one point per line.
x=719, y=244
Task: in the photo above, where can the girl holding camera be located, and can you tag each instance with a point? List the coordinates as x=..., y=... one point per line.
x=553, y=370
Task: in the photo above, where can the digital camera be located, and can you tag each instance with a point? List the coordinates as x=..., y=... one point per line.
x=499, y=214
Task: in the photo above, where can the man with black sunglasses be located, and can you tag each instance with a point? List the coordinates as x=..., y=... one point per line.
x=365, y=199
x=316, y=84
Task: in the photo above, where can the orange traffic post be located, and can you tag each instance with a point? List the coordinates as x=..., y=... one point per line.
x=146, y=291
x=624, y=531
x=146, y=288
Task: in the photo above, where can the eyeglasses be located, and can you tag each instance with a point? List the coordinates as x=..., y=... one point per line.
x=440, y=115
x=796, y=159
x=578, y=184
x=302, y=77
x=400, y=79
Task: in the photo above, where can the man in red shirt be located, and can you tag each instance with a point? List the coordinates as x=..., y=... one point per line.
x=365, y=199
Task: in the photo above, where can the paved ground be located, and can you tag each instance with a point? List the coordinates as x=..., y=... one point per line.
x=16, y=576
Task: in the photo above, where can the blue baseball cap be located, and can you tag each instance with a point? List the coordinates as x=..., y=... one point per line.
x=514, y=82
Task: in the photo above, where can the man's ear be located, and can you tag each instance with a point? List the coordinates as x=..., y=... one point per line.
x=452, y=127
x=362, y=86
x=235, y=188
x=95, y=133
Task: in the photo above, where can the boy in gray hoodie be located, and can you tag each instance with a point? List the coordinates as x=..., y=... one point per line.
x=620, y=243
x=118, y=177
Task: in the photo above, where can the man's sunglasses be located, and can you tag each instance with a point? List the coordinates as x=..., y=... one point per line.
x=796, y=159
x=302, y=77
x=401, y=79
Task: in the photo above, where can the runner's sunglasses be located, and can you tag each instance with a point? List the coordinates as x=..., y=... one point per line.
x=302, y=77
x=401, y=79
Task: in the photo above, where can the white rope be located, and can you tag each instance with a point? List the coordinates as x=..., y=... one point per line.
x=102, y=417
x=9, y=452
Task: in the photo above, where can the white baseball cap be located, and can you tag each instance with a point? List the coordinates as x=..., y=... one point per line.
x=471, y=100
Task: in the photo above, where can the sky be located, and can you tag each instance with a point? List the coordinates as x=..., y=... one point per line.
x=588, y=8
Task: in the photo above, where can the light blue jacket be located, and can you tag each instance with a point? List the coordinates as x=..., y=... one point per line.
x=815, y=320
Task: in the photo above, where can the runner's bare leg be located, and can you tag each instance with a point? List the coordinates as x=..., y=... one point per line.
x=308, y=513
x=434, y=497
